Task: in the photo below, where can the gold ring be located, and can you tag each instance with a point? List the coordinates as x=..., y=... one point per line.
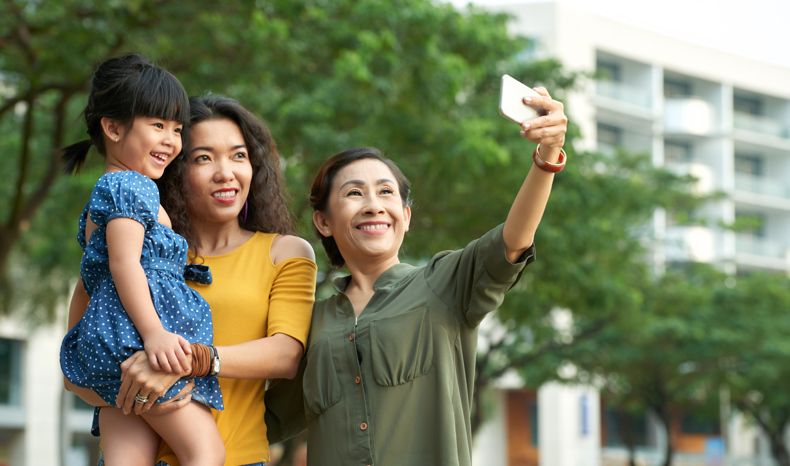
x=140, y=399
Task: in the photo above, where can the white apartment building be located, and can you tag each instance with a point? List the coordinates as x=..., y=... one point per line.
x=724, y=119
x=41, y=424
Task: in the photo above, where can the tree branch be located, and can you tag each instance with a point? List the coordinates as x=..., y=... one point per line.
x=54, y=163
x=35, y=92
x=24, y=161
x=549, y=348
x=22, y=32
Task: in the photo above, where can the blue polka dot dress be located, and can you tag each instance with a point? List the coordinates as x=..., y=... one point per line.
x=93, y=350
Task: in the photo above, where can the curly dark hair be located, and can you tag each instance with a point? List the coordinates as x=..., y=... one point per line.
x=266, y=211
x=322, y=186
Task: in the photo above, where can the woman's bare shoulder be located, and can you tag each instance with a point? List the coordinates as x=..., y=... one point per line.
x=288, y=246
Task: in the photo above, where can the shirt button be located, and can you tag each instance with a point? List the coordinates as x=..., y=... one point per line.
x=351, y=337
x=363, y=426
x=357, y=379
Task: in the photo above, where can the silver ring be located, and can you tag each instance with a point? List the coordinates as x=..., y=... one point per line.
x=140, y=399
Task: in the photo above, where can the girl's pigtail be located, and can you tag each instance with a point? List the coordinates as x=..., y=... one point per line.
x=74, y=156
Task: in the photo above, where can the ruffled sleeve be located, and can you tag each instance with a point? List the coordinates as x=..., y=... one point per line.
x=125, y=194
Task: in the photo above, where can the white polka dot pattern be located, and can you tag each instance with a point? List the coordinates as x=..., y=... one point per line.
x=93, y=350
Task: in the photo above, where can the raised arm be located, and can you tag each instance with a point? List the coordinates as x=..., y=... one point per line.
x=530, y=203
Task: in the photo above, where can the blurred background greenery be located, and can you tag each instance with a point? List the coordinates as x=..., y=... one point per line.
x=420, y=80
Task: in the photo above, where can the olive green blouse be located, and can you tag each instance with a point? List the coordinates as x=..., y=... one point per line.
x=395, y=387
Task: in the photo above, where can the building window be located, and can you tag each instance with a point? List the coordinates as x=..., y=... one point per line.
x=533, y=423
x=609, y=71
x=750, y=105
x=622, y=427
x=530, y=52
x=677, y=152
x=749, y=164
x=704, y=424
x=10, y=378
x=675, y=88
x=609, y=135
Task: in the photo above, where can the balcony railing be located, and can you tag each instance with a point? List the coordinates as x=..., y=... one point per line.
x=754, y=245
x=704, y=174
x=759, y=124
x=761, y=185
x=623, y=92
x=690, y=243
x=691, y=115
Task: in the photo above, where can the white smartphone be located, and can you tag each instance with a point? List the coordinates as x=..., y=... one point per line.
x=511, y=101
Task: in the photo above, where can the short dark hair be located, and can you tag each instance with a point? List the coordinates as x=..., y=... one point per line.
x=266, y=208
x=124, y=88
x=322, y=186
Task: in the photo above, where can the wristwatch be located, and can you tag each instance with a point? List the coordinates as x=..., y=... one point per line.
x=216, y=362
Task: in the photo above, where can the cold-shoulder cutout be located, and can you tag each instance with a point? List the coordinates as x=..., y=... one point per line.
x=288, y=246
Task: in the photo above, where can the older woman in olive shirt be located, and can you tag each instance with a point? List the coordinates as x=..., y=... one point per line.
x=388, y=375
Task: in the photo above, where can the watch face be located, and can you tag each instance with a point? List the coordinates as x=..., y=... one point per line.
x=216, y=366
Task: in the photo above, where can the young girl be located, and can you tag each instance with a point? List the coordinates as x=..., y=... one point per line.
x=133, y=270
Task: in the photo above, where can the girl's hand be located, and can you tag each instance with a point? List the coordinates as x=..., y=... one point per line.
x=548, y=130
x=167, y=351
x=138, y=377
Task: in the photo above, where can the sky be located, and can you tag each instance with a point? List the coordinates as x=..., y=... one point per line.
x=758, y=29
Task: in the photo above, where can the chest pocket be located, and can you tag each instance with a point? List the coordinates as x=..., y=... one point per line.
x=321, y=387
x=401, y=347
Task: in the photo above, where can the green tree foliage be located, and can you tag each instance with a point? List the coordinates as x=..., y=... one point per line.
x=47, y=54
x=406, y=76
x=755, y=350
x=664, y=356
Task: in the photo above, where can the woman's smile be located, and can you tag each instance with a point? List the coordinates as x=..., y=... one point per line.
x=374, y=228
x=225, y=196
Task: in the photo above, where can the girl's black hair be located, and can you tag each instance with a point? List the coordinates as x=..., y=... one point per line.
x=322, y=188
x=121, y=89
x=266, y=202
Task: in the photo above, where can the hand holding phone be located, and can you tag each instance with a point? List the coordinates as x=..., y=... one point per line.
x=511, y=101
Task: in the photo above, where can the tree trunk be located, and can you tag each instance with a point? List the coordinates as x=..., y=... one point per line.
x=669, y=452
x=626, y=430
x=778, y=447
x=23, y=208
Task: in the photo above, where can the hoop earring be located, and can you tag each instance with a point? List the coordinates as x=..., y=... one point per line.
x=244, y=212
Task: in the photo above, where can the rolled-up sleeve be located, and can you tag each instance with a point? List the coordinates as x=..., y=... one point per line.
x=473, y=281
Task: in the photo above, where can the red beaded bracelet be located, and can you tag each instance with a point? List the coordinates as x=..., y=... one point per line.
x=548, y=166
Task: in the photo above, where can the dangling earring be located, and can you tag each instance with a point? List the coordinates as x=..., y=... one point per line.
x=244, y=212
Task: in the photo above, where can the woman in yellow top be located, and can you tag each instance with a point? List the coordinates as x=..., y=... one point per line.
x=224, y=196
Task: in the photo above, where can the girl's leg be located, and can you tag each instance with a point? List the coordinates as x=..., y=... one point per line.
x=192, y=434
x=126, y=440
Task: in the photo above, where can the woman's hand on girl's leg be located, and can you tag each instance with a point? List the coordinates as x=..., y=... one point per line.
x=139, y=378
